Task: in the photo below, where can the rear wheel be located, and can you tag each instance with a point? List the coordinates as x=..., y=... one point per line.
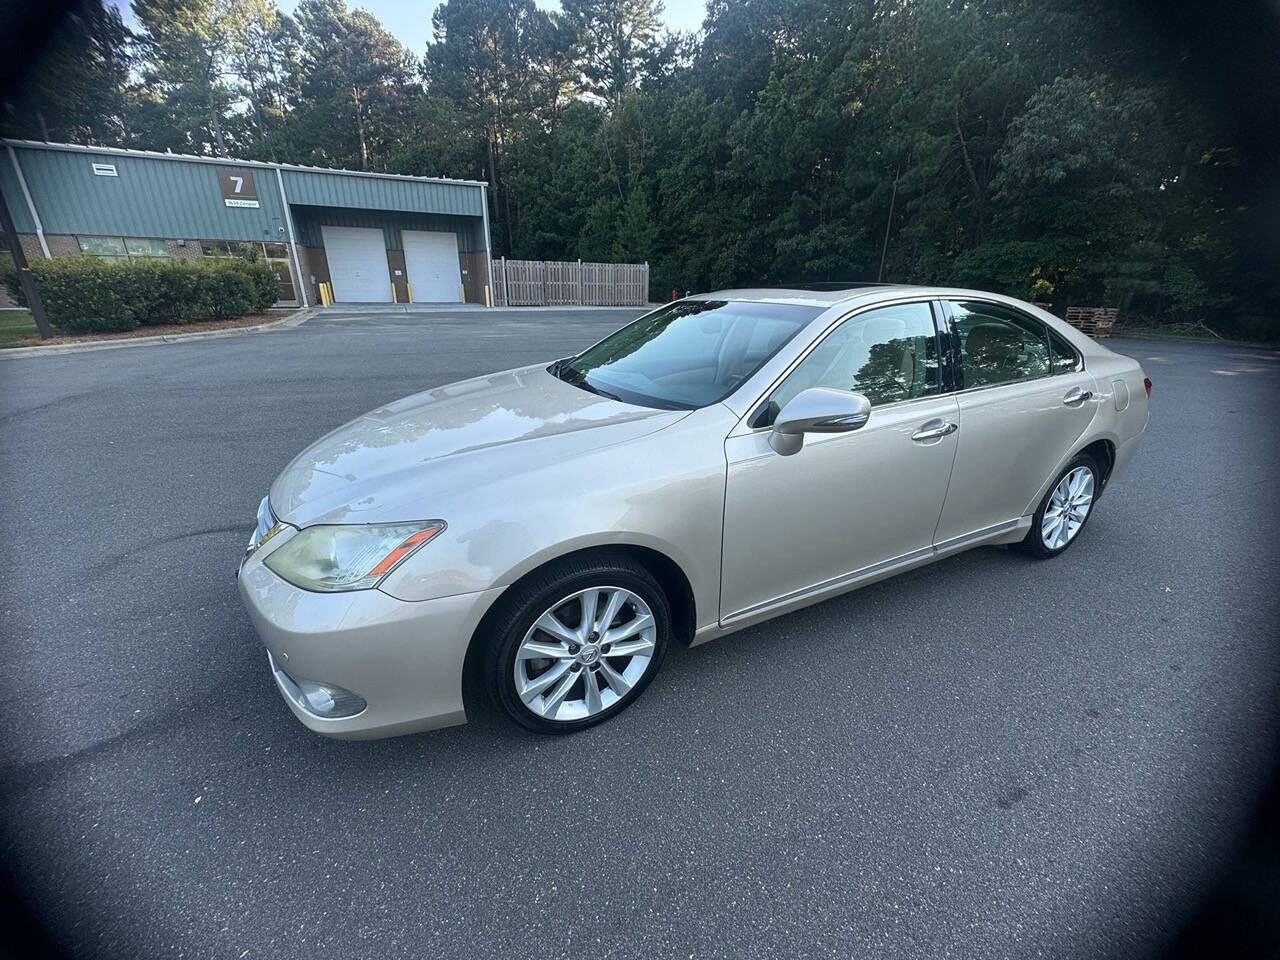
x=1065, y=510
x=578, y=643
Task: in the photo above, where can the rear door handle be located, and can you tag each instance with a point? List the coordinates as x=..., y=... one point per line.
x=1076, y=396
x=934, y=430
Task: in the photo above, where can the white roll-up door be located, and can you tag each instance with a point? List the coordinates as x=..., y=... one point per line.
x=431, y=260
x=357, y=264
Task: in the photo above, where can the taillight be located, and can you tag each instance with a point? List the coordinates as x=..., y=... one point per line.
x=1146, y=382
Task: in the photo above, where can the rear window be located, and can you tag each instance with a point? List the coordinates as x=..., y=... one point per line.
x=1065, y=358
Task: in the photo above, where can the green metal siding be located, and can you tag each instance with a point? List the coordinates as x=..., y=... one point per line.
x=155, y=196
x=13, y=195
x=308, y=220
x=151, y=197
x=317, y=188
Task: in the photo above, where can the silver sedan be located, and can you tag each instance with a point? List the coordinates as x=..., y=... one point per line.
x=724, y=459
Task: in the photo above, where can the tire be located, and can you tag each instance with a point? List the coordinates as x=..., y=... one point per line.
x=558, y=685
x=1045, y=541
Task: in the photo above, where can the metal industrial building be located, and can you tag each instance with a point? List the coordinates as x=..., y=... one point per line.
x=375, y=238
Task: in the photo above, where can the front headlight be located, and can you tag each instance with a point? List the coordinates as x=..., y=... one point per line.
x=333, y=558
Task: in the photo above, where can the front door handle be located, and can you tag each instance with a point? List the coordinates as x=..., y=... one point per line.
x=934, y=430
x=1076, y=396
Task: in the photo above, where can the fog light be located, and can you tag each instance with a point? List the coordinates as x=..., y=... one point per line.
x=326, y=700
x=329, y=700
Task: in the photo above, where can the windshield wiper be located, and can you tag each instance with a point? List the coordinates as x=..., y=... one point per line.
x=586, y=384
x=577, y=378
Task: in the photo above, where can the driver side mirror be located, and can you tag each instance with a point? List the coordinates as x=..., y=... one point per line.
x=817, y=410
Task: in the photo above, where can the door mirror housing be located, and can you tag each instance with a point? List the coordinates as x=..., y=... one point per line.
x=817, y=410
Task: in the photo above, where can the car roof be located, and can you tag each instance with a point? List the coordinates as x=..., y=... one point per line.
x=866, y=292
x=811, y=296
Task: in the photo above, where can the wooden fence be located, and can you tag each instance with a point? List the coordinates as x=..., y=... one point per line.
x=550, y=283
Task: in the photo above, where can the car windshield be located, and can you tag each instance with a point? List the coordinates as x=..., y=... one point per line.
x=689, y=354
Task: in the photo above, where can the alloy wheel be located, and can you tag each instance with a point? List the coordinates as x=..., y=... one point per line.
x=585, y=653
x=1067, y=509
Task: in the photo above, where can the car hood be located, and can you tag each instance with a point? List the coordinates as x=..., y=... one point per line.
x=401, y=461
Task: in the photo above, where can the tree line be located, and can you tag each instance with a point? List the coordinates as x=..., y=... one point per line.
x=1047, y=149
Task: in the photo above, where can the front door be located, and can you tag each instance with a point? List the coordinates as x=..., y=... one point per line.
x=847, y=502
x=1024, y=403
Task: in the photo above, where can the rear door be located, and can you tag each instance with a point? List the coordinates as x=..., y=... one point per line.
x=357, y=258
x=1024, y=401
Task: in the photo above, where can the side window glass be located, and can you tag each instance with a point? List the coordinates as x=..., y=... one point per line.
x=998, y=345
x=1064, y=355
x=887, y=355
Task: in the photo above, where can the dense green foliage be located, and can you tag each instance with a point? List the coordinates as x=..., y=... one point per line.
x=89, y=294
x=1054, y=150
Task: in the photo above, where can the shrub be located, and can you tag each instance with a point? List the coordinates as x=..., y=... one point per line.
x=231, y=288
x=263, y=280
x=87, y=294
x=173, y=292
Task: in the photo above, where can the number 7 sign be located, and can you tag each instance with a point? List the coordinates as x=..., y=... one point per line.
x=238, y=189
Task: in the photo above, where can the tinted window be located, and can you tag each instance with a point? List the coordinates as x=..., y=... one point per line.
x=107, y=247
x=887, y=355
x=1064, y=358
x=145, y=247
x=998, y=345
x=688, y=354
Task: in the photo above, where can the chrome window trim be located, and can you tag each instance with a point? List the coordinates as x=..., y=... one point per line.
x=1077, y=367
x=928, y=299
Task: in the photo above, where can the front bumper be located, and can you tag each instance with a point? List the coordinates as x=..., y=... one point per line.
x=405, y=659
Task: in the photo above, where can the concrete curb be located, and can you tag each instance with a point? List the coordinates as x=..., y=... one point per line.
x=294, y=319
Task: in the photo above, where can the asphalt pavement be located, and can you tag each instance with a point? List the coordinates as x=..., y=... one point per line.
x=990, y=756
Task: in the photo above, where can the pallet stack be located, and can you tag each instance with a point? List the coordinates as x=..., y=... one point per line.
x=1095, y=321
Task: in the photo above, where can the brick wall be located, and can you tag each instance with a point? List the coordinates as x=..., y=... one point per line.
x=313, y=264
x=188, y=251
x=60, y=245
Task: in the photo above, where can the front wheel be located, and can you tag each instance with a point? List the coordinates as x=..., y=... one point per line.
x=1065, y=509
x=578, y=643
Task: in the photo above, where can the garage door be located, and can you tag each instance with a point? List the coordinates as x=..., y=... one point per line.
x=431, y=260
x=357, y=264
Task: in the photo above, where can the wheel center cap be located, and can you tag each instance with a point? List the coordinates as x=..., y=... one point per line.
x=589, y=654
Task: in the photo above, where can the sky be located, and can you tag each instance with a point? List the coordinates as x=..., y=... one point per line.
x=410, y=23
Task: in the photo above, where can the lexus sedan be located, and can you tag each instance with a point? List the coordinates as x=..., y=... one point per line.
x=724, y=459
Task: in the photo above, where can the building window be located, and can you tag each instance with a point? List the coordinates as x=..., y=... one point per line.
x=109, y=248
x=275, y=254
x=230, y=248
x=145, y=247
x=122, y=248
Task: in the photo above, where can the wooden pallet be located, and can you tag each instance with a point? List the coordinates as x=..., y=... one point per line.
x=1095, y=321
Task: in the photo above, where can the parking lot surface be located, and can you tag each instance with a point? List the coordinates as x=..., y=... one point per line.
x=990, y=756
